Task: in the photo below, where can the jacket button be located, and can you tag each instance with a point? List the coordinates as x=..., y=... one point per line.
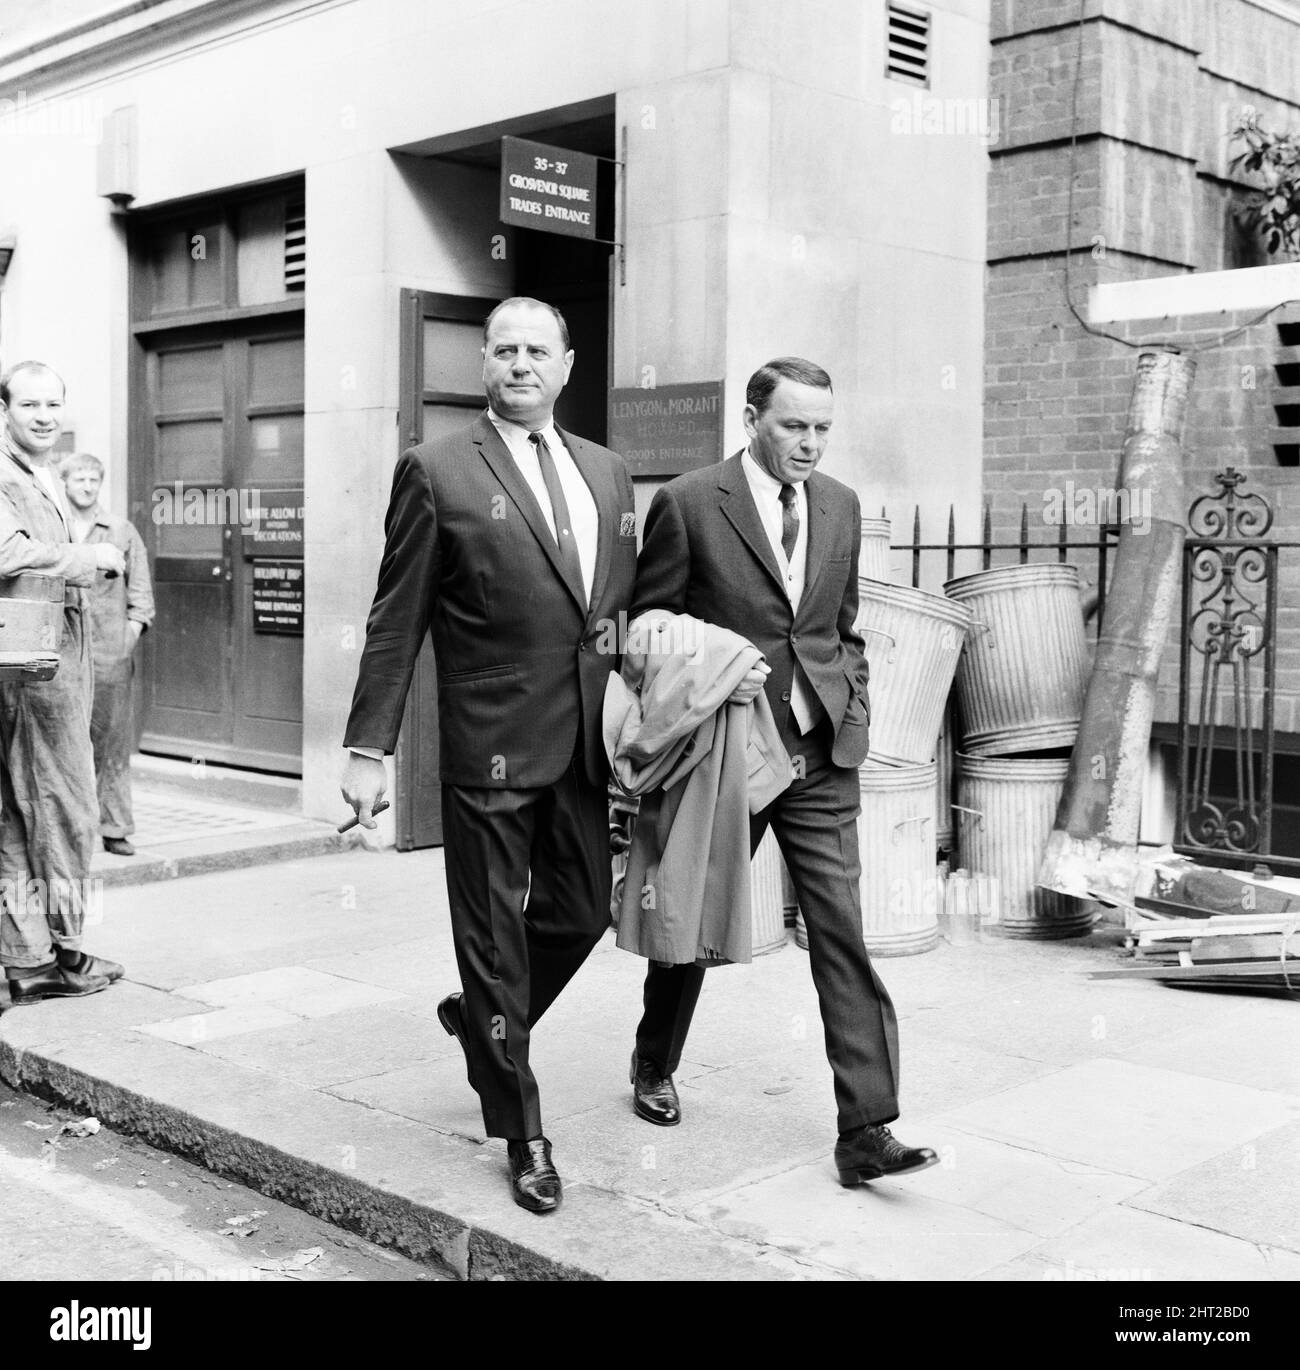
x=793, y=640
x=785, y=698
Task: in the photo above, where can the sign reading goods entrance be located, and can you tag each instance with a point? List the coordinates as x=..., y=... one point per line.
x=548, y=188
x=667, y=430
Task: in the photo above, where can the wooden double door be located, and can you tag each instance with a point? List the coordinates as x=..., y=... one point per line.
x=220, y=422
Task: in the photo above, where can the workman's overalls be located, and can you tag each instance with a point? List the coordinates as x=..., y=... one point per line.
x=49, y=818
x=112, y=604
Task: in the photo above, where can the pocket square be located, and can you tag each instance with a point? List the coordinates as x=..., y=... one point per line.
x=627, y=525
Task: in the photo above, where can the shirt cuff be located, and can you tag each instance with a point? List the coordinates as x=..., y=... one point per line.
x=374, y=753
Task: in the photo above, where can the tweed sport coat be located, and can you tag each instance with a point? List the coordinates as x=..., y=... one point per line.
x=468, y=557
x=705, y=553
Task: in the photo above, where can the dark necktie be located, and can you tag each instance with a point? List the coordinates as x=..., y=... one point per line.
x=789, y=520
x=568, y=544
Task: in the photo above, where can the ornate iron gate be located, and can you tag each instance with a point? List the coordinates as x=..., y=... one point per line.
x=1227, y=668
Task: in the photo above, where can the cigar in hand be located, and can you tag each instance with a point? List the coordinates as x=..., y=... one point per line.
x=355, y=819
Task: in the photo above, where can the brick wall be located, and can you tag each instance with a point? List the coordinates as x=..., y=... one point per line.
x=1161, y=84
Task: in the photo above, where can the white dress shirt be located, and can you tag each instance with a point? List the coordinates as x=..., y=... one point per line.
x=766, y=490
x=583, y=518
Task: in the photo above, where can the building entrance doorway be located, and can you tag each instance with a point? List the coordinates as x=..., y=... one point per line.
x=224, y=424
x=442, y=391
x=216, y=473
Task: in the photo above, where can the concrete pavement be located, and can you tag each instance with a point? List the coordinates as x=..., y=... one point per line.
x=192, y=818
x=277, y=1023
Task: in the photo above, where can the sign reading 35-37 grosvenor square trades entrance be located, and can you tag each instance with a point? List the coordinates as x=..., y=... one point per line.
x=548, y=188
x=667, y=430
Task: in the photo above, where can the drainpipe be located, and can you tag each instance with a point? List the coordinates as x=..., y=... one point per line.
x=1092, y=851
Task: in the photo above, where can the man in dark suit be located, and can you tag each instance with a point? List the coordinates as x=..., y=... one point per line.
x=514, y=544
x=766, y=546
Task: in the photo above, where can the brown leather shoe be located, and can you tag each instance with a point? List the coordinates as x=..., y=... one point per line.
x=654, y=1096
x=871, y=1153
x=54, y=982
x=534, y=1181
x=83, y=963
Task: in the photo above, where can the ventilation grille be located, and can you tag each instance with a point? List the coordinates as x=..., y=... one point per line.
x=909, y=46
x=295, y=245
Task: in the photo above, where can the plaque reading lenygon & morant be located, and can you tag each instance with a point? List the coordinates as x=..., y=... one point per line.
x=667, y=430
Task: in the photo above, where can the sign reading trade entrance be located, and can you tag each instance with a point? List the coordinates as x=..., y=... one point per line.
x=548, y=188
x=278, y=597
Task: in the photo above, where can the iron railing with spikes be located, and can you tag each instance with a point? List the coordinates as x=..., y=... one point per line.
x=1101, y=546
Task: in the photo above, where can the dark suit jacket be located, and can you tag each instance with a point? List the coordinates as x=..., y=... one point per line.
x=521, y=666
x=705, y=553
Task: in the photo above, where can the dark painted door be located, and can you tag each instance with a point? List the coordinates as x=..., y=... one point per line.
x=225, y=434
x=442, y=391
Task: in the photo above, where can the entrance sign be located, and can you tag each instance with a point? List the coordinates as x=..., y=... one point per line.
x=278, y=597
x=277, y=526
x=667, y=430
x=552, y=189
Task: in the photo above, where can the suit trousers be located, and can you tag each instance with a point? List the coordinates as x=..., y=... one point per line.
x=815, y=822
x=528, y=880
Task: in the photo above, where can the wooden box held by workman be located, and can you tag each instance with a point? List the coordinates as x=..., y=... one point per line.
x=31, y=626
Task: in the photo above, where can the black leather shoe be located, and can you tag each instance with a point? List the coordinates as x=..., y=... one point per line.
x=83, y=963
x=874, y=1152
x=451, y=1016
x=654, y=1096
x=534, y=1181
x=53, y=983
x=119, y=846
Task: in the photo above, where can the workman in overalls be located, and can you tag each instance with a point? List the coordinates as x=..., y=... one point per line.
x=121, y=608
x=49, y=814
